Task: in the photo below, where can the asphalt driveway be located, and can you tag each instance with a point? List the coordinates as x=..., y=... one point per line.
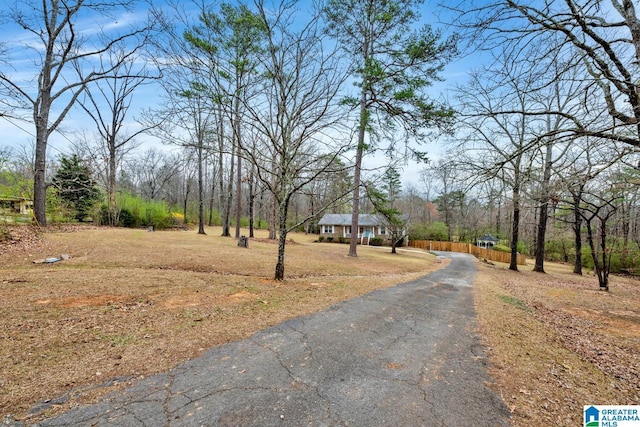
x=404, y=356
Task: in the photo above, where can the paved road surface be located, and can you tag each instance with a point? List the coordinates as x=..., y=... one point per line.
x=405, y=356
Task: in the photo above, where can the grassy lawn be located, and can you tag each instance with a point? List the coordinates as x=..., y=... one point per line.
x=557, y=343
x=130, y=303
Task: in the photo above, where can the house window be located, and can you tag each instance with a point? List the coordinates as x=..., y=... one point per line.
x=382, y=230
x=347, y=230
x=327, y=229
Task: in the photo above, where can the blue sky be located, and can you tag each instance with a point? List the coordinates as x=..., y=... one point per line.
x=22, y=59
x=21, y=62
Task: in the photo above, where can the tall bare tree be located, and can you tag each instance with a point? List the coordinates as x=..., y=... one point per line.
x=193, y=116
x=296, y=112
x=495, y=127
x=600, y=201
x=64, y=63
x=188, y=121
x=232, y=34
x=587, y=160
x=604, y=37
x=108, y=103
x=151, y=172
x=443, y=174
x=558, y=95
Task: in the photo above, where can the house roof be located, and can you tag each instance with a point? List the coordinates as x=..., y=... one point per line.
x=14, y=199
x=345, y=219
x=488, y=238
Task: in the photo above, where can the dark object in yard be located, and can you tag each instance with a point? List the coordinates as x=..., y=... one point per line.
x=243, y=242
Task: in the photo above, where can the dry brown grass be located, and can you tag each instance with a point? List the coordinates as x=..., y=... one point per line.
x=129, y=303
x=557, y=343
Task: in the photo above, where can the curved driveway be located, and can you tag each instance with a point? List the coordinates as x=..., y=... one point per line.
x=404, y=356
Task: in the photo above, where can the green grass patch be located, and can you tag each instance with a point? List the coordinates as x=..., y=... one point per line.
x=518, y=303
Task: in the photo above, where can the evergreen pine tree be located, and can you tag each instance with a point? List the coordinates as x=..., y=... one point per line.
x=75, y=186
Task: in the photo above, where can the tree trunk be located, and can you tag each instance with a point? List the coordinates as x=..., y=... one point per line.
x=353, y=241
x=238, y=142
x=282, y=240
x=221, y=194
x=238, y=195
x=601, y=259
x=606, y=257
x=186, y=199
x=39, y=178
x=252, y=202
x=577, y=234
x=228, y=199
x=541, y=236
x=515, y=229
x=113, y=220
x=594, y=253
x=498, y=224
x=212, y=198
x=544, y=208
x=200, y=149
x=273, y=209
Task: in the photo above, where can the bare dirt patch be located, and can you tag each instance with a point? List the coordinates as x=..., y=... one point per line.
x=130, y=303
x=557, y=343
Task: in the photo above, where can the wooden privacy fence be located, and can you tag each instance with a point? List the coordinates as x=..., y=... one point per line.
x=466, y=248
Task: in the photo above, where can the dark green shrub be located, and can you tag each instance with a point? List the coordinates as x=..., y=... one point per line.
x=554, y=257
x=127, y=219
x=621, y=261
x=559, y=250
x=522, y=248
x=321, y=239
x=330, y=239
x=375, y=241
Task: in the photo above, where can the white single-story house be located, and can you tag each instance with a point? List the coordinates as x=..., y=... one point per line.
x=369, y=226
x=487, y=241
